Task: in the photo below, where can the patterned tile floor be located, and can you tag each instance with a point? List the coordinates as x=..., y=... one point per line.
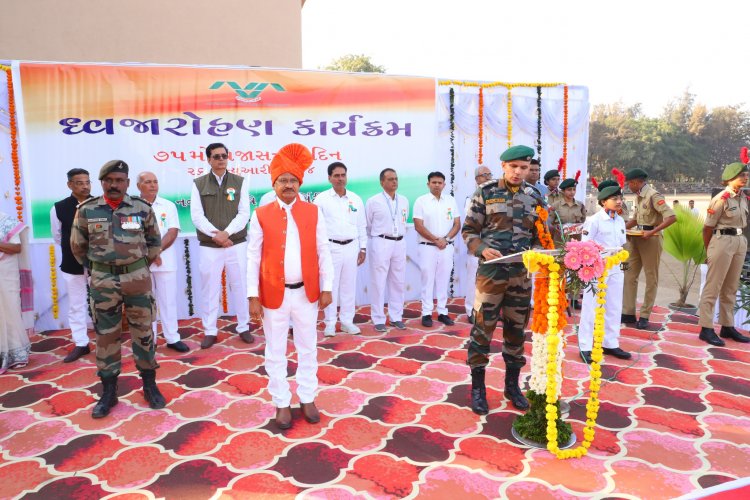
x=395, y=423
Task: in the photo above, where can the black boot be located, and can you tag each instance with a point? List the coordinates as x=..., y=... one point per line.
x=154, y=398
x=108, y=399
x=729, y=332
x=478, y=392
x=512, y=390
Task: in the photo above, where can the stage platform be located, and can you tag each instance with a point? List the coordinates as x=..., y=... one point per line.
x=396, y=422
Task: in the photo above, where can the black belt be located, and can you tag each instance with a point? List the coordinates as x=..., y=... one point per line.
x=392, y=238
x=648, y=228
x=732, y=230
x=341, y=242
x=433, y=244
x=294, y=286
x=128, y=268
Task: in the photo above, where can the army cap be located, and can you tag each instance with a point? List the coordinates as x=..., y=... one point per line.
x=517, y=153
x=636, y=173
x=116, y=166
x=733, y=170
x=567, y=183
x=608, y=192
x=551, y=175
x=607, y=183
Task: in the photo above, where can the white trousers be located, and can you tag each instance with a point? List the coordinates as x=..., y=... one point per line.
x=344, y=259
x=212, y=262
x=435, y=266
x=387, y=271
x=77, y=307
x=296, y=309
x=612, y=315
x=165, y=291
x=472, y=264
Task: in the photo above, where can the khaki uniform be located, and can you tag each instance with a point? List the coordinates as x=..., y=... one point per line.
x=117, y=246
x=650, y=210
x=567, y=213
x=727, y=213
x=553, y=196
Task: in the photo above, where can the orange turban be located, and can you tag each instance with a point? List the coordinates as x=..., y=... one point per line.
x=294, y=159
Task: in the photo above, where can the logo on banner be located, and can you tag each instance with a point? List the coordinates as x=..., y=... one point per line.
x=250, y=92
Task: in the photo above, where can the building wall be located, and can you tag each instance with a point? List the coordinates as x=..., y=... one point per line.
x=227, y=32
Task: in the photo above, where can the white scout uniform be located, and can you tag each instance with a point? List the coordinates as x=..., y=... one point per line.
x=386, y=226
x=214, y=260
x=164, y=277
x=347, y=233
x=472, y=264
x=610, y=233
x=438, y=216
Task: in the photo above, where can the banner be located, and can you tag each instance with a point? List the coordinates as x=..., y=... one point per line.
x=161, y=118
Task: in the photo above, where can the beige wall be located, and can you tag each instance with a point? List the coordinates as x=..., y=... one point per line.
x=242, y=32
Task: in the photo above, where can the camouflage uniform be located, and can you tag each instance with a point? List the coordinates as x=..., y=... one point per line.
x=117, y=246
x=503, y=220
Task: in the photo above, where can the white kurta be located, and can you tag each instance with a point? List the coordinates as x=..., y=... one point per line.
x=609, y=233
x=164, y=277
x=472, y=264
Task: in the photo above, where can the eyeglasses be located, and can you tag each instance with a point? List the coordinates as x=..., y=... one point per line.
x=488, y=174
x=219, y=157
x=292, y=181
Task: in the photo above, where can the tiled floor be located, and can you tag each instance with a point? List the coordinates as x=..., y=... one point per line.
x=395, y=423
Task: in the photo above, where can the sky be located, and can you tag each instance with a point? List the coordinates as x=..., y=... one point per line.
x=638, y=51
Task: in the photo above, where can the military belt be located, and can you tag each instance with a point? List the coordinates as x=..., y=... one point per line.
x=732, y=230
x=127, y=268
x=647, y=228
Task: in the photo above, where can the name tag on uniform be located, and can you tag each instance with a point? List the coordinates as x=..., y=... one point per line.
x=130, y=223
x=492, y=201
x=101, y=219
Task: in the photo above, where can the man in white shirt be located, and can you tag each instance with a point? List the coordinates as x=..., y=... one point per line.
x=220, y=209
x=164, y=268
x=72, y=272
x=482, y=174
x=347, y=232
x=386, y=214
x=289, y=276
x=437, y=221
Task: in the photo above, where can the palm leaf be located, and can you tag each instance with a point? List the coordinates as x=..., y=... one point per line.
x=683, y=240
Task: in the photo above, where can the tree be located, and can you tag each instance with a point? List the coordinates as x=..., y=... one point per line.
x=355, y=63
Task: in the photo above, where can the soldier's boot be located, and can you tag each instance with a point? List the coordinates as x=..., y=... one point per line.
x=512, y=390
x=108, y=399
x=154, y=398
x=478, y=391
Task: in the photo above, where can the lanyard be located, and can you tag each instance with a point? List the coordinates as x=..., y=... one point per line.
x=392, y=211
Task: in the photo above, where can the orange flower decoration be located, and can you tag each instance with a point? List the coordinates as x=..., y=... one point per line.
x=542, y=231
x=224, y=304
x=14, y=143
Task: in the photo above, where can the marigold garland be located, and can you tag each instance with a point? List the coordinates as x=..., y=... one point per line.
x=564, y=174
x=53, y=282
x=465, y=83
x=510, y=116
x=188, y=278
x=14, y=143
x=542, y=231
x=224, y=304
x=481, y=124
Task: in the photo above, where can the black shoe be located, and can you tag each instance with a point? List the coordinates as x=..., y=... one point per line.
x=427, y=321
x=617, y=352
x=709, y=335
x=577, y=304
x=444, y=319
x=76, y=353
x=586, y=357
x=179, y=346
x=208, y=341
x=642, y=324
x=729, y=332
x=247, y=337
x=628, y=318
x=154, y=398
x=478, y=392
x=108, y=399
x=512, y=390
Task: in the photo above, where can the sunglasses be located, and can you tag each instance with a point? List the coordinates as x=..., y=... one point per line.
x=219, y=157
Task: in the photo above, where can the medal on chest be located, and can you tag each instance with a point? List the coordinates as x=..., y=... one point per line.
x=130, y=223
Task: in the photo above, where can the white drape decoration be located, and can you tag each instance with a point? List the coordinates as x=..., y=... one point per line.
x=495, y=139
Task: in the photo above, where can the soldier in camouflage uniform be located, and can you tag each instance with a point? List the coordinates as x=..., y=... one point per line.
x=500, y=221
x=116, y=237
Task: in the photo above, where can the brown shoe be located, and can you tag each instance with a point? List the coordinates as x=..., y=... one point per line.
x=208, y=341
x=247, y=337
x=284, y=417
x=310, y=412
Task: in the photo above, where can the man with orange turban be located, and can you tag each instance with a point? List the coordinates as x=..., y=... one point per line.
x=289, y=277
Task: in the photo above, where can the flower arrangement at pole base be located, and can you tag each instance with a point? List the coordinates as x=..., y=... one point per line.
x=580, y=264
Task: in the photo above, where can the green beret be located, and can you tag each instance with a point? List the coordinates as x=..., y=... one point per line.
x=608, y=192
x=517, y=153
x=567, y=183
x=733, y=170
x=551, y=175
x=606, y=183
x=636, y=173
x=116, y=166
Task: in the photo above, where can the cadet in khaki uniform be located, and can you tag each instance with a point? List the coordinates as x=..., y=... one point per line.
x=117, y=237
x=552, y=180
x=567, y=210
x=725, y=247
x=500, y=221
x=652, y=214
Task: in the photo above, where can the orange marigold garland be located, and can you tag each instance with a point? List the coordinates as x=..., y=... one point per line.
x=224, y=304
x=14, y=143
x=542, y=231
x=481, y=124
x=53, y=283
x=563, y=174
